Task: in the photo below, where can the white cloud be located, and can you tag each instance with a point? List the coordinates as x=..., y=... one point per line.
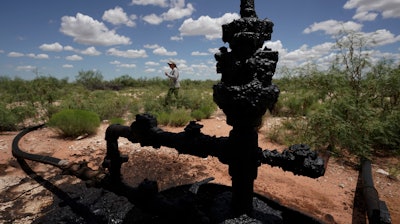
x=153, y=19
x=2, y=51
x=176, y=38
x=126, y=66
x=91, y=51
x=150, y=70
x=38, y=56
x=365, y=16
x=367, y=10
x=333, y=27
x=151, y=46
x=115, y=62
x=128, y=53
x=378, y=55
x=69, y=48
x=51, y=47
x=213, y=50
x=198, y=53
x=161, y=3
x=117, y=16
x=85, y=30
x=27, y=68
x=320, y=53
x=206, y=26
x=164, y=52
x=381, y=37
x=74, y=58
x=178, y=10
x=152, y=63
x=67, y=66
x=15, y=54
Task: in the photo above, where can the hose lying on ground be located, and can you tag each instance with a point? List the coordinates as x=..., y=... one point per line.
x=19, y=154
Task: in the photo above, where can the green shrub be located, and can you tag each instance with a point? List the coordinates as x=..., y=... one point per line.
x=117, y=120
x=74, y=123
x=179, y=117
x=8, y=121
x=198, y=114
x=176, y=118
x=107, y=104
x=208, y=108
x=163, y=118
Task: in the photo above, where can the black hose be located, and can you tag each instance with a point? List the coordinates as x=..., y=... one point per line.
x=19, y=154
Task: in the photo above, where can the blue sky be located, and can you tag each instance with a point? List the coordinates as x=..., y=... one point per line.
x=137, y=37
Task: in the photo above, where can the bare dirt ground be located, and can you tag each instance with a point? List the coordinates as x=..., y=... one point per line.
x=328, y=198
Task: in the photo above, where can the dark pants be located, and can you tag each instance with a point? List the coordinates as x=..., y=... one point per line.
x=172, y=91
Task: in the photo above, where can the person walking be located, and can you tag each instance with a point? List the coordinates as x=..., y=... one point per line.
x=173, y=75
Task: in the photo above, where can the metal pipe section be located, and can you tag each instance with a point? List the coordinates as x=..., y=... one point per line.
x=146, y=196
x=376, y=209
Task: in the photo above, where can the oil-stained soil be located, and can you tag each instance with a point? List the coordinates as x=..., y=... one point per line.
x=47, y=196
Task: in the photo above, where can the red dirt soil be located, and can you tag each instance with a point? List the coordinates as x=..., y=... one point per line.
x=328, y=198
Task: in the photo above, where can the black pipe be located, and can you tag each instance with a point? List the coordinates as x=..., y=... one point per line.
x=370, y=194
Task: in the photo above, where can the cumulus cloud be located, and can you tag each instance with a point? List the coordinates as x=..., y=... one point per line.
x=128, y=53
x=161, y=3
x=164, y=52
x=206, y=26
x=91, y=51
x=67, y=66
x=333, y=27
x=198, y=53
x=176, y=38
x=152, y=63
x=321, y=54
x=213, y=50
x=74, y=58
x=150, y=70
x=380, y=37
x=26, y=68
x=178, y=10
x=117, y=16
x=38, y=56
x=14, y=54
x=86, y=30
x=115, y=62
x=126, y=66
x=51, y=47
x=69, y=48
x=153, y=19
x=151, y=46
x=367, y=10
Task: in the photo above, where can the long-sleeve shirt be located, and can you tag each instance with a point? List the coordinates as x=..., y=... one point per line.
x=174, y=77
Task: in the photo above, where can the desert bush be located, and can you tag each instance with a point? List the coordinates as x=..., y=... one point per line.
x=107, y=104
x=90, y=79
x=117, y=120
x=179, y=117
x=198, y=114
x=74, y=123
x=163, y=118
x=8, y=121
x=175, y=118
